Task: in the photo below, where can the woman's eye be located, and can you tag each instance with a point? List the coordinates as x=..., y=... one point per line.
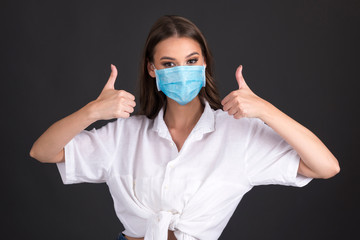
x=168, y=64
x=192, y=61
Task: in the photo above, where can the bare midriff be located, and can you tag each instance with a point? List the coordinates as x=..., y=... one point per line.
x=171, y=236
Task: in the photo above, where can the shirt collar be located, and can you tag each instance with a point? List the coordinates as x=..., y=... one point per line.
x=205, y=124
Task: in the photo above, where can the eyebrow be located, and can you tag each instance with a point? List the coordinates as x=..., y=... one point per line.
x=170, y=58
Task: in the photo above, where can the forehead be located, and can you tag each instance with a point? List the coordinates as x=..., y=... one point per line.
x=176, y=47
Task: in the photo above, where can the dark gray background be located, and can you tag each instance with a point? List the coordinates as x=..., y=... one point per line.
x=302, y=56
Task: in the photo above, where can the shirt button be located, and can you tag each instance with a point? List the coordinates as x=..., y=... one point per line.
x=166, y=186
x=171, y=144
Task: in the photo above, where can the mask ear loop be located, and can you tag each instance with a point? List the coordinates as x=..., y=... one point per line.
x=204, y=84
x=156, y=77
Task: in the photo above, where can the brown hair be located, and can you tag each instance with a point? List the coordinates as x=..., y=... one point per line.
x=152, y=100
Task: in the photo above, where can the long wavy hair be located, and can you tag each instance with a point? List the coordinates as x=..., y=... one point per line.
x=152, y=100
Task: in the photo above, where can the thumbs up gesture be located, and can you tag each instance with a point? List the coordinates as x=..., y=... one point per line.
x=243, y=102
x=113, y=103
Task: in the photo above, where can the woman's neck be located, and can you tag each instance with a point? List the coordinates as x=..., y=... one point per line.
x=183, y=117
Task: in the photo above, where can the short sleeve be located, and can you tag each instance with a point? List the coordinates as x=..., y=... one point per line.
x=270, y=159
x=88, y=156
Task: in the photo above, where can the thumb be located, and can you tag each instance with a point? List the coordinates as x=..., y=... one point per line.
x=111, y=82
x=239, y=77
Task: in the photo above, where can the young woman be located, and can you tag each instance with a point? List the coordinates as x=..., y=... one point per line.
x=179, y=168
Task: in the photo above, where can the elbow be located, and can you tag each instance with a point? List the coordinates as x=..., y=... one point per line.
x=43, y=157
x=331, y=172
x=34, y=154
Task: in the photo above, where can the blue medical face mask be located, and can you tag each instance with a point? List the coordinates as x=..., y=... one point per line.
x=181, y=83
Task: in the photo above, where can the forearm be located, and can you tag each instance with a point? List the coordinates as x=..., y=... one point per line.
x=314, y=154
x=49, y=146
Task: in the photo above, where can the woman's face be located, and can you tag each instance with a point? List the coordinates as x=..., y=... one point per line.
x=176, y=51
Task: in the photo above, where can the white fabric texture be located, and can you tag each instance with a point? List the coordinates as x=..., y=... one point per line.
x=193, y=192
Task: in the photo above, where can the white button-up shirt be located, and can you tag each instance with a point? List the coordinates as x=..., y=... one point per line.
x=193, y=192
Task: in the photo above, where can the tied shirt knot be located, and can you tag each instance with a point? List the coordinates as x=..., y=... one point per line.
x=159, y=223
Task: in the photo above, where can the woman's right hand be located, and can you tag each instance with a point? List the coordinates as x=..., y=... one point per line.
x=113, y=103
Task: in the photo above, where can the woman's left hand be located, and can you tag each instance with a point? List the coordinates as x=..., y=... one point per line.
x=316, y=160
x=243, y=102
